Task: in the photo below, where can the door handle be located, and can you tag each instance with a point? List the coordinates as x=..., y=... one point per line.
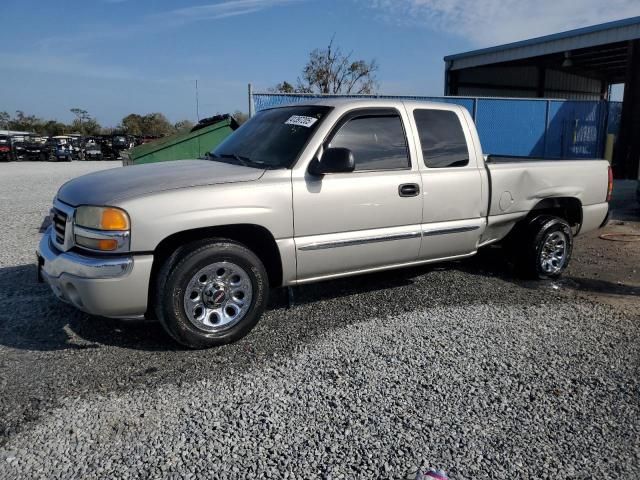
x=408, y=190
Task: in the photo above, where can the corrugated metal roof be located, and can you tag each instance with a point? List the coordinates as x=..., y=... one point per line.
x=14, y=132
x=611, y=32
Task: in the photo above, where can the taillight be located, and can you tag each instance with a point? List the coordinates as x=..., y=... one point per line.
x=610, y=186
x=4, y=148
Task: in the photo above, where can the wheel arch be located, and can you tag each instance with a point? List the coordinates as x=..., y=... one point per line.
x=567, y=208
x=255, y=237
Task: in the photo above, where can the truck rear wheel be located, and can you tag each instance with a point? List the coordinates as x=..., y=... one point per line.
x=548, y=243
x=211, y=293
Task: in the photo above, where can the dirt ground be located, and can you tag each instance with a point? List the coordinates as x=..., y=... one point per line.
x=608, y=271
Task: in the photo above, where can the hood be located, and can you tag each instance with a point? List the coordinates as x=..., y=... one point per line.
x=108, y=186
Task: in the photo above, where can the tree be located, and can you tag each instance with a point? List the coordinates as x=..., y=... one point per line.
x=81, y=117
x=53, y=128
x=89, y=126
x=285, y=87
x=4, y=120
x=331, y=71
x=132, y=124
x=24, y=122
x=153, y=124
x=84, y=123
x=156, y=124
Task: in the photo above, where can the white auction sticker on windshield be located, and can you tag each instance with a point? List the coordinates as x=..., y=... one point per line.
x=301, y=120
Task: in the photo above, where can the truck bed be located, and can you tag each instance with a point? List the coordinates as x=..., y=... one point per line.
x=517, y=185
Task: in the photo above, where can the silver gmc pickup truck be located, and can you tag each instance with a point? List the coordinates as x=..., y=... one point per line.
x=305, y=193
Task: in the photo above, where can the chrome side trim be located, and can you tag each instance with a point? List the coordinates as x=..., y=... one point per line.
x=351, y=273
x=447, y=231
x=56, y=263
x=360, y=241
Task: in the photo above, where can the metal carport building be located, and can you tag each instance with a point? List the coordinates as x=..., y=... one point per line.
x=579, y=65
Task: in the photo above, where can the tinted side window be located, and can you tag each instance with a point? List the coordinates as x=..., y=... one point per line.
x=442, y=139
x=377, y=142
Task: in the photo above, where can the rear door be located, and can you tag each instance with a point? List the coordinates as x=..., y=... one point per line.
x=369, y=218
x=453, y=203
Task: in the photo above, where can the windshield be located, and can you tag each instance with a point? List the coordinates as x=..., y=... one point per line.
x=272, y=138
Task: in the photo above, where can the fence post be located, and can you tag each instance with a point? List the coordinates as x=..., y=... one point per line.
x=250, y=89
x=546, y=128
x=604, y=127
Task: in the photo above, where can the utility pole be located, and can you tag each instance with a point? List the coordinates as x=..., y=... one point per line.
x=197, y=103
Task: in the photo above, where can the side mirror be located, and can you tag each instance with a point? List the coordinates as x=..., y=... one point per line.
x=334, y=160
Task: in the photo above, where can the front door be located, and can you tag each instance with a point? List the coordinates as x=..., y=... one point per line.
x=365, y=219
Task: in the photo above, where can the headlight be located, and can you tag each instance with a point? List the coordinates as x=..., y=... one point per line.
x=103, y=229
x=102, y=218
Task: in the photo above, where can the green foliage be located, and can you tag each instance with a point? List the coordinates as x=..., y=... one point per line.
x=153, y=124
x=24, y=122
x=83, y=123
x=4, y=119
x=284, y=87
x=132, y=124
x=53, y=128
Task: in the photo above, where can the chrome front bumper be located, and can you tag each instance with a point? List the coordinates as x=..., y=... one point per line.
x=106, y=286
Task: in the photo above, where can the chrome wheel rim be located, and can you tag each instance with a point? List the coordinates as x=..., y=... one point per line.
x=553, y=255
x=218, y=296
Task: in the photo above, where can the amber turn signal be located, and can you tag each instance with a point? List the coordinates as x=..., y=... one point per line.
x=103, y=245
x=114, y=219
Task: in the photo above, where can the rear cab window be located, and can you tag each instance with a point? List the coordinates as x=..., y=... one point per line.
x=442, y=138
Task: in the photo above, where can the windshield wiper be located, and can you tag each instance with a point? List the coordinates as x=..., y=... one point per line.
x=244, y=161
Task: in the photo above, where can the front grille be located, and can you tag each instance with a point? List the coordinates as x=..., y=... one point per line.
x=59, y=220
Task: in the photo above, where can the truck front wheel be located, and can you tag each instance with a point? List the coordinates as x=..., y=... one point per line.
x=211, y=293
x=548, y=243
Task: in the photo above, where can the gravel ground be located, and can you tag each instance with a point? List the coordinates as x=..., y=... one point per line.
x=458, y=366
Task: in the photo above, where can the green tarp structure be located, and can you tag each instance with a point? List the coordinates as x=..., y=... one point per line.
x=203, y=138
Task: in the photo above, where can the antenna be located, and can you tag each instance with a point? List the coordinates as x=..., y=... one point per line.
x=197, y=104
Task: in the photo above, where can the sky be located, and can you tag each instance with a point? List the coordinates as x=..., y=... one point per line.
x=115, y=57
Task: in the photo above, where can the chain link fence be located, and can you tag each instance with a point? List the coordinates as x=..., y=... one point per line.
x=544, y=128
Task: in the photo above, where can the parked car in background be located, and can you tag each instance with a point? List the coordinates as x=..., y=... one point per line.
x=18, y=149
x=34, y=149
x=63, y=152
x=119, y=143
x=77, y=146
x=305, y=193
x=92, y=151
x=6, y=154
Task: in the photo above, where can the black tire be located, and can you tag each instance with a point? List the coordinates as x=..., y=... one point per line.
x=179, y=269
x=529, y=247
